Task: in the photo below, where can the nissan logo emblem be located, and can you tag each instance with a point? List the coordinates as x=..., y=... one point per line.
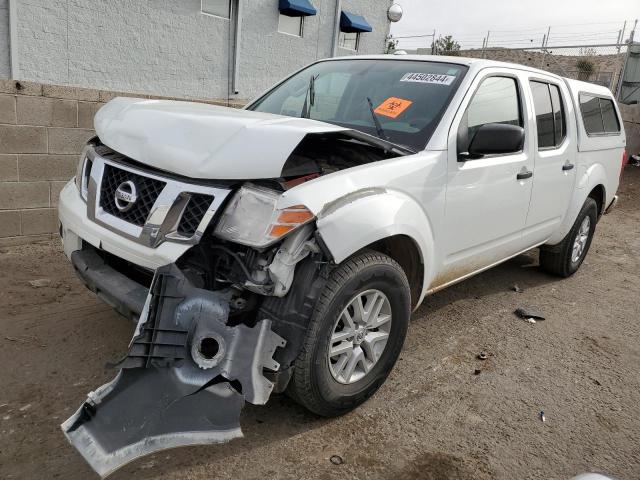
x=126, y=195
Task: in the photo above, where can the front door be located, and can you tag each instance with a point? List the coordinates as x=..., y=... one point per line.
x=487, y=198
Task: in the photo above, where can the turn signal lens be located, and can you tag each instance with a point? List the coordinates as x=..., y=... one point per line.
x=288, y=219
x=296, y=214
x=280, y=230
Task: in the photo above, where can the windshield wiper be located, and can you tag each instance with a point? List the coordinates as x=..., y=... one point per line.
x=379, y=129
x=309, y=97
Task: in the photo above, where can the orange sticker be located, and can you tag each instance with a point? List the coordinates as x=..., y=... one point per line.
x=392, y=107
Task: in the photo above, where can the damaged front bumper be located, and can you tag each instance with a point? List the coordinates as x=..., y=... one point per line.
x=183, y=382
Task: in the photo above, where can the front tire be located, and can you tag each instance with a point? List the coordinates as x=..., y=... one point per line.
x=565, y=258
x=354, y=336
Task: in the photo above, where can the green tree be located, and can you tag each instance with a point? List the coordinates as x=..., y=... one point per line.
x=446, y=46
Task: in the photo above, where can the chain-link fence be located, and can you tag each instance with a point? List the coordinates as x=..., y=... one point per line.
x=601, y=64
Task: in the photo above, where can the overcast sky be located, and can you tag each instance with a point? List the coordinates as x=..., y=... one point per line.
x=516, y=23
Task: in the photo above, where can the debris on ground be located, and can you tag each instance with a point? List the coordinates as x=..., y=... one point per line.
x=529, y=320
x=40, y=282
x=517, y=289
x=482, y=355
x=336, y=460
x=526, y=313
x=541, y=415
x=477, y=371
x=634, y=160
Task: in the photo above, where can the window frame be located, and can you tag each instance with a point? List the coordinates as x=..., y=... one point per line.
x=342, y=35
x=202, y=12
x=563, y=112
x=301, y=30
x=521, y=114
x=582, y=93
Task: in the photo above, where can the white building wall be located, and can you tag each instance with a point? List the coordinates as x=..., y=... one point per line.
x=5, y=67
x=168, y=47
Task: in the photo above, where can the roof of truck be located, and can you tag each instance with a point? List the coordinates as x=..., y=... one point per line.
x=480, y=63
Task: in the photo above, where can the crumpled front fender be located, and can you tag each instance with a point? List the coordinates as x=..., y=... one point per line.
x=183, y=382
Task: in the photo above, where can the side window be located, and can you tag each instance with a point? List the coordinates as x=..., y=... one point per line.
x=550, y=119
x=544, y=114
x=495, y=101
x=609, y=116
x=559, y=121
x=599, y=115
x=590, y=108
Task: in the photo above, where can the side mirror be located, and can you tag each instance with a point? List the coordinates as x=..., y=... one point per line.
x=496, y=138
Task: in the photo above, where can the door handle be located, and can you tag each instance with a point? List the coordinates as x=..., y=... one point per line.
x=523, y=175
x=567, y=166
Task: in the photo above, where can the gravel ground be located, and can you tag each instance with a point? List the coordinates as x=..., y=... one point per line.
x=441, y=414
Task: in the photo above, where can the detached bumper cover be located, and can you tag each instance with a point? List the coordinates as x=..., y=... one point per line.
x=183, y=382
x=116, y=289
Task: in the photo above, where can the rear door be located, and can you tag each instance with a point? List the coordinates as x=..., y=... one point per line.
x=555, y=157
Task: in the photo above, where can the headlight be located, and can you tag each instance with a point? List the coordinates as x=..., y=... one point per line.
x=83, y=172
x=252, y=218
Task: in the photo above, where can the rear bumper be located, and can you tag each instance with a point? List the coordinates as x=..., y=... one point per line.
x=114, y=288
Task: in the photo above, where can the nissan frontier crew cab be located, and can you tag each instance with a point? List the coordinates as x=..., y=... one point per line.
x=282, y=247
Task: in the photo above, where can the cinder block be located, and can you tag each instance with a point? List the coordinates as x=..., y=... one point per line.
x=73, y=93
x=68, y=140
x=7, y=109
x=23, y=139
x=14, y=195
x=8, y=168
x=106, y=95
x=18, y=87
x=47, y=112
x=56, y=188
x=46, y=167
x=9, y=223
x=38, y=221
x=86, y=112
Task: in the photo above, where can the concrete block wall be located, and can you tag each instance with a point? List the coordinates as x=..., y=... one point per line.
x=42, y=131
x=631, y=118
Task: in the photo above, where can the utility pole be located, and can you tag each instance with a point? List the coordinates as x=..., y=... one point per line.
x=545, y=42
x=621, y=36
x=486, y=43
x=433, y=42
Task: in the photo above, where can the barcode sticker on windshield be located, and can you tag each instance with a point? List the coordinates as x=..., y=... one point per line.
x=428, y=78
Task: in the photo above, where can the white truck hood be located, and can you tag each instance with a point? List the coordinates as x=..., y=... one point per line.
x=203, y=141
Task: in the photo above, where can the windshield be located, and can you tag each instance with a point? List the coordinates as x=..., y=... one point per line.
x=407, y=97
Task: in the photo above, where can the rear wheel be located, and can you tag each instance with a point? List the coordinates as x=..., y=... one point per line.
x=565, y=258
x=355, y=335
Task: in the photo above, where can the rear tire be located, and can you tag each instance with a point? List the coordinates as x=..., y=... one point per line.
x=565, y=258
x=320, y=381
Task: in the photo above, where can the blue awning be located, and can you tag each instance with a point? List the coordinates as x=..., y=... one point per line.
x=350, y=23
x=297, y=8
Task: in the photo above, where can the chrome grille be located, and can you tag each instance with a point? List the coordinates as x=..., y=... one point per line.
x=165, y=209
x=148, y=191
x=193, y=213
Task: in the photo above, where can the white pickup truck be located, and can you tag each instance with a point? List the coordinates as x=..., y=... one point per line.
x=284, y=246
